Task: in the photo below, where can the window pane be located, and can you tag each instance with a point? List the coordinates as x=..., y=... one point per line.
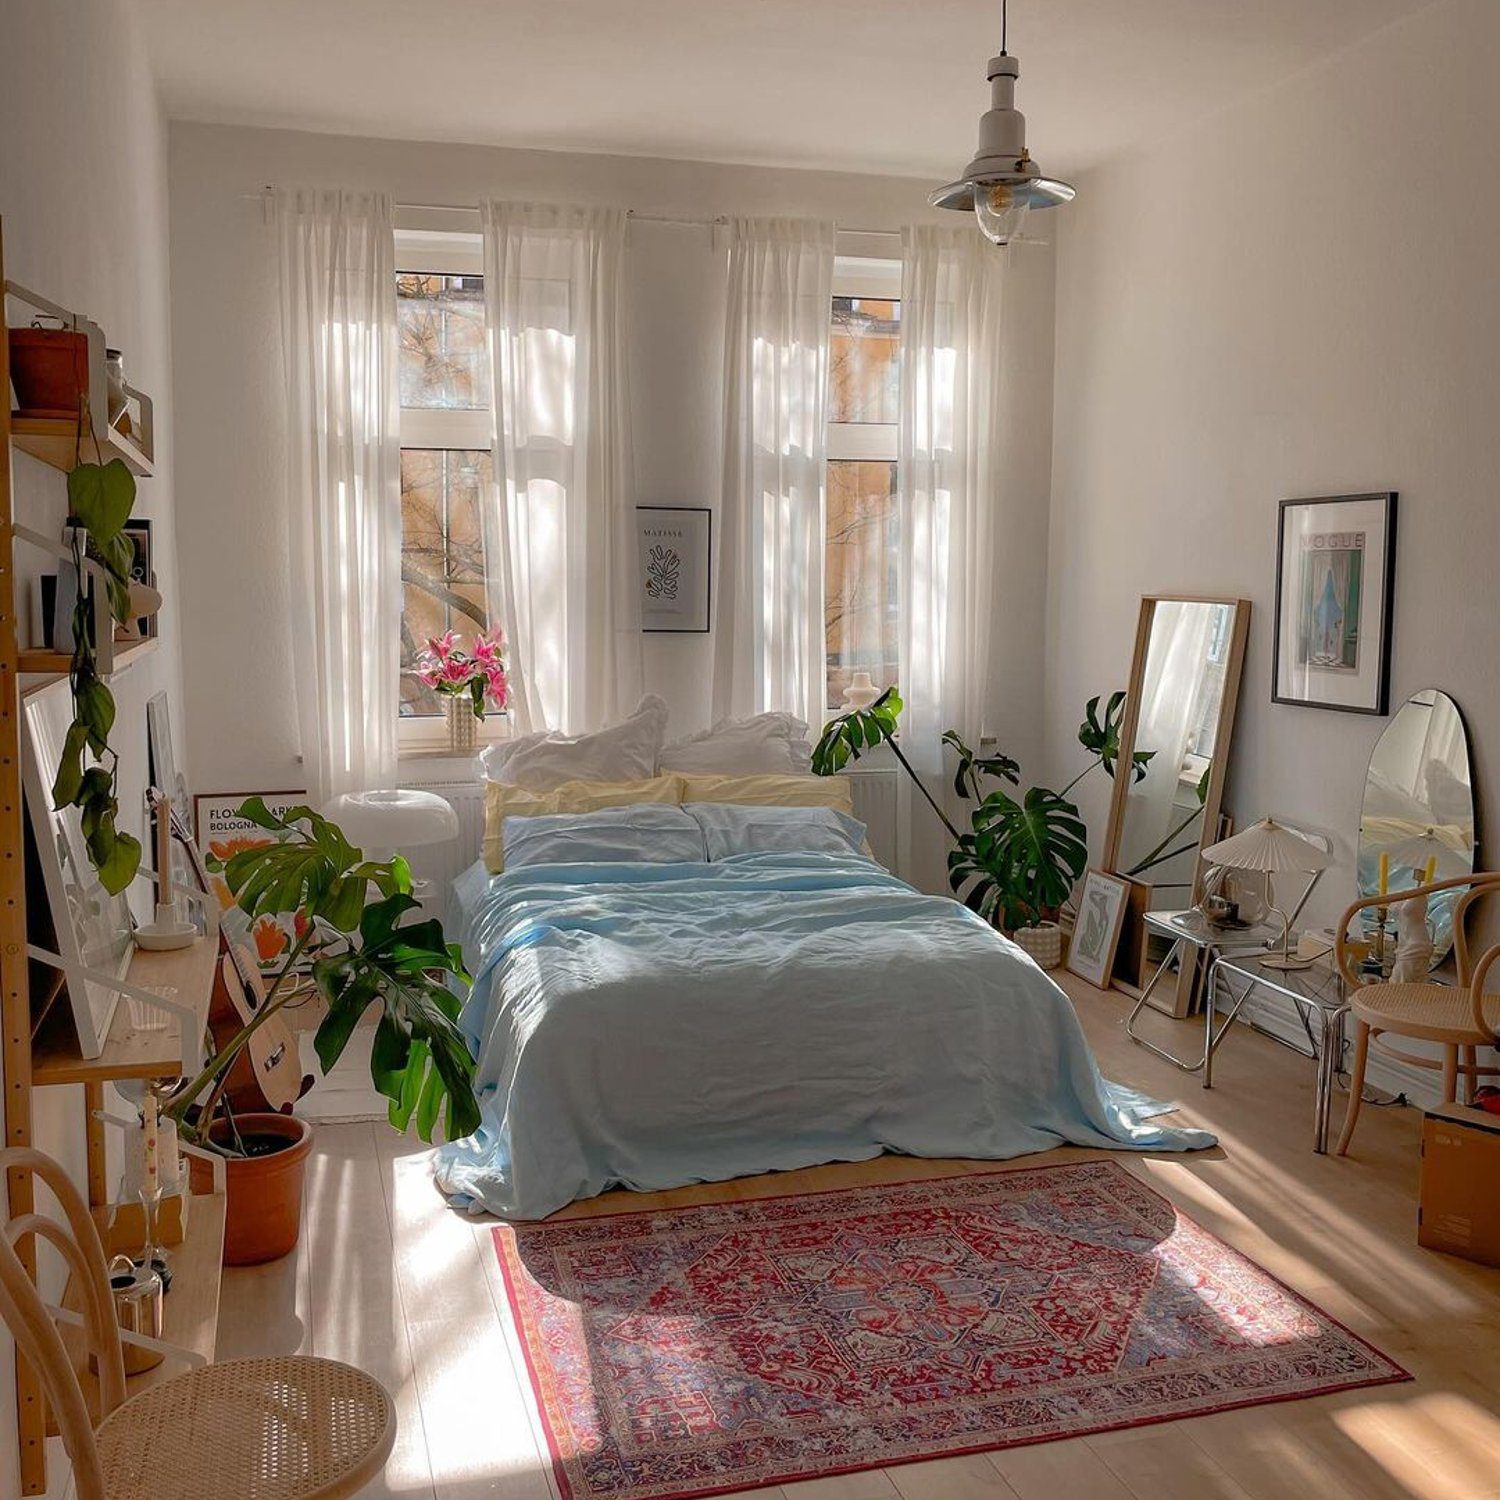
x=860, y=594
x=864, y=373
x=444, y=362
x=442, y=556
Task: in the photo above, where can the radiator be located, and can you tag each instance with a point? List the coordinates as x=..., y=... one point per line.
x=875, y=807
x=439, y=865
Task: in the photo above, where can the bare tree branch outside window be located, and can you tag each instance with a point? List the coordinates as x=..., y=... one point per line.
x=861, y=578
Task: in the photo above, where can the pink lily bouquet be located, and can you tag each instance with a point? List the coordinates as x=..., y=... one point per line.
x=477, y=674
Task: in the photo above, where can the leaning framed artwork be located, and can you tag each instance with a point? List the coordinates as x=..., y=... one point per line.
x=1096, y=930
x=673, y=548
x=1335, y=580
x=92, y=930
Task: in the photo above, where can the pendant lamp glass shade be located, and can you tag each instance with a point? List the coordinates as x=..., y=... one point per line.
x=1001, y=211
x=1002, y=185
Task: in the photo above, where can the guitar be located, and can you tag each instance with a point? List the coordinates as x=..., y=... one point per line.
x=267, y=1074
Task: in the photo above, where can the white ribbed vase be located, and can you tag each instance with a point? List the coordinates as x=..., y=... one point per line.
x=461, y=725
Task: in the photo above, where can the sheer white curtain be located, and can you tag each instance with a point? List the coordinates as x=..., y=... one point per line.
x=560, y=538
x=950, y=478
x=768, y=621
x=338, y=305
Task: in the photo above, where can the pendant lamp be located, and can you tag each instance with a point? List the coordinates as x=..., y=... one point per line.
x=1002, y=184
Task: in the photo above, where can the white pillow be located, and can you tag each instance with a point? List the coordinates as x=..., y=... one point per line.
x=490, y=762
x=774, y=744
x=540, y=762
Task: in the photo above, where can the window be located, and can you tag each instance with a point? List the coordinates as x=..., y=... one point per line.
x=446, y=471
x=862, y=541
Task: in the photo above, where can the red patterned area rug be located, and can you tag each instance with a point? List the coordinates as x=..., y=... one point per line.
x=696, y=1351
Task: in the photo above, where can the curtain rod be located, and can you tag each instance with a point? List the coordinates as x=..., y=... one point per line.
x=643, y=218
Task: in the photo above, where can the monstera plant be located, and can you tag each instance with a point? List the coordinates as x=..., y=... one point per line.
x=1017, y=863
x=350, y=918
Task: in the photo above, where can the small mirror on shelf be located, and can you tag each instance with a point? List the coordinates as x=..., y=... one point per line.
x=1417, y=822
x=1184, y=686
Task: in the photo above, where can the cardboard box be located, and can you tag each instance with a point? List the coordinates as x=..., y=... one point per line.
x=1459, y=1210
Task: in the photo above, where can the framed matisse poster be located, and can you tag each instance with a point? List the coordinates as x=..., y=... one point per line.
x=1335, y=578
x=1096, y=931
x=673, y=547
x=221, y=834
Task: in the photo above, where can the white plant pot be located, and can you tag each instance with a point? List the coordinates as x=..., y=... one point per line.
x=1043, y=942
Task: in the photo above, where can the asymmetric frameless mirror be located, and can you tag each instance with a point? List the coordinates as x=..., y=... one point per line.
x=1419, y=807
x=1184, y=685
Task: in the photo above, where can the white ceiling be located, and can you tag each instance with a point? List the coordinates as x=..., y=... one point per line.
x=860, y=85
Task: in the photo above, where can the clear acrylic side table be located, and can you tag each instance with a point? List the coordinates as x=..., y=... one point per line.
x=1317, y=993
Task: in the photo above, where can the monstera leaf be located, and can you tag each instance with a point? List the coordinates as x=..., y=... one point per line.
x=1022, y=858
x=847, y=737
x=1100, y=735
x=972, y=767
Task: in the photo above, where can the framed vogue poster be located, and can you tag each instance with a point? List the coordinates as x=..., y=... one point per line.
x=673, y=545
x=1335, y=577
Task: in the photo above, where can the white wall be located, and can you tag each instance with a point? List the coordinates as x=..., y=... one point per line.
x=1297, y=297
x=228, y=394
x=83, y=192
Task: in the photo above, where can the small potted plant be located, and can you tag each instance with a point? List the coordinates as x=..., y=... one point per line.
x=349, y=919
x=1017, y=864
x=468, y=680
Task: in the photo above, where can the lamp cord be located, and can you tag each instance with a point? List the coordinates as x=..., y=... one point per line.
x=1004, y=25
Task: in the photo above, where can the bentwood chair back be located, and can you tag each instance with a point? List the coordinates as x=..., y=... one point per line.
x=31, y=1325
x=1459, y=1019
x=287, y=1427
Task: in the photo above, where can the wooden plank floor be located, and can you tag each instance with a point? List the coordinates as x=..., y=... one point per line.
x=387, y=1278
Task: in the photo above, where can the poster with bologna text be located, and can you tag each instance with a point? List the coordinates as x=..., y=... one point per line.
x=222, y=833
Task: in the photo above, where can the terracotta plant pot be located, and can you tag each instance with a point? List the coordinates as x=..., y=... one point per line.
x=263, y=1212
x=49, y=368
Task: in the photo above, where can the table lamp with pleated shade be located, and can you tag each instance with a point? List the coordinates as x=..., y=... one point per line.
x=1272, y=850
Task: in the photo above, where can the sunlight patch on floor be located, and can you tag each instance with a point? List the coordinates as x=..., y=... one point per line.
x=1453, y=1428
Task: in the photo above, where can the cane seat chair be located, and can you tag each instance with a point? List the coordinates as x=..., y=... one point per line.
x=1459, y=1018
x=285, y=1428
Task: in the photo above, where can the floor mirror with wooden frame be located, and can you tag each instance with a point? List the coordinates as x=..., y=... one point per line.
x=1180, y=706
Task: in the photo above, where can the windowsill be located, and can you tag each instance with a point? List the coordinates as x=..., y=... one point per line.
x=436, y=767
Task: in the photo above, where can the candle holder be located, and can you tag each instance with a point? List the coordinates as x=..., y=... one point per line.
x=154, y=1257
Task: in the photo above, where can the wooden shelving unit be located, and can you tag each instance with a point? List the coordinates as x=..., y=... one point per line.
x=190, y=1312
x=52, y=1056
x=55, y=440
x=53, y=664
x=129, y=1052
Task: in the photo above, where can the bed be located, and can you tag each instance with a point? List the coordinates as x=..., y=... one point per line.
x=653, y=1022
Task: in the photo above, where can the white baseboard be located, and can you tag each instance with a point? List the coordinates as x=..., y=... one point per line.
x=346, y=1094
x=1278, y=1016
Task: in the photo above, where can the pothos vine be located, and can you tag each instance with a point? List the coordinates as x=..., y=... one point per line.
x=100, y=497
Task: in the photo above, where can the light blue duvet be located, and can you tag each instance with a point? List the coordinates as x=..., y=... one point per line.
x=650, y=1025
